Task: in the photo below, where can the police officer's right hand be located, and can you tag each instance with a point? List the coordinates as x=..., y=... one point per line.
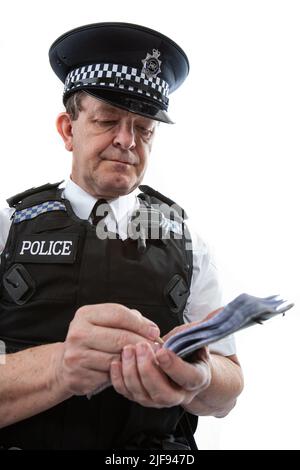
x=96, y=336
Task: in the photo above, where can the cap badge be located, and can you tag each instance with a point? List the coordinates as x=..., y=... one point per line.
x=151, y=64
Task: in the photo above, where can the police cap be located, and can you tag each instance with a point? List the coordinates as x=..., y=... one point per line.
x=126, y=65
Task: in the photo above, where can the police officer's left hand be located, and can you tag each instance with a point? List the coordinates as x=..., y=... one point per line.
x=160, y=379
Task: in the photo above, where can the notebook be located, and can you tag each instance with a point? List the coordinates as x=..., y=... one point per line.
x=244, y=311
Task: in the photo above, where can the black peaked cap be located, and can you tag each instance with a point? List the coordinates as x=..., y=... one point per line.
x=127, y=65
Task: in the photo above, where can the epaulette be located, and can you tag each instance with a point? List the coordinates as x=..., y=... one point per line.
x=14, y=200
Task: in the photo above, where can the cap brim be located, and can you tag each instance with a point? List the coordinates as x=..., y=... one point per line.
x=136, y=106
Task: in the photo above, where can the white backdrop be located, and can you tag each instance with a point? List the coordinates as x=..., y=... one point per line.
x=231, y=160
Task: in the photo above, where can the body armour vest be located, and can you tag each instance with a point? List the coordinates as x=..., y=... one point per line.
x=53, y=263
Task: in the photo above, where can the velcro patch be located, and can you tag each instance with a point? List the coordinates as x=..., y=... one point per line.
x=47, y=248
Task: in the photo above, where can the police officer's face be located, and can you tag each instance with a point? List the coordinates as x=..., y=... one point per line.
x=110, y=147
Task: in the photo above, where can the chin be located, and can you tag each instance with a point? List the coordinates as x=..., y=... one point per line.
x=117, y=187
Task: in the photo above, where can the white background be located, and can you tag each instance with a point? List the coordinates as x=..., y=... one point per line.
x=231, y=160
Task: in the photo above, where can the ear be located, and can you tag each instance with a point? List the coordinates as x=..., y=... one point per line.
x=65, y=129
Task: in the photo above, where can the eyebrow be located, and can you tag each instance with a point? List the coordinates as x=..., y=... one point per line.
x=106, y=108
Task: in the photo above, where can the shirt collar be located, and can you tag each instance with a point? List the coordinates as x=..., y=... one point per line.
x=82, y=202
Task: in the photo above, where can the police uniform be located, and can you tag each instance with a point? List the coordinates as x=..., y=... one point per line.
x=53, y=262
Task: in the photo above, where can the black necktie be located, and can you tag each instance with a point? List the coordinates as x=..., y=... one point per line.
x=98, y=213
x=100, y=210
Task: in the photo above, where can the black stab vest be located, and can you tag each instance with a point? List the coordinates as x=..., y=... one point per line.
x=53, y=263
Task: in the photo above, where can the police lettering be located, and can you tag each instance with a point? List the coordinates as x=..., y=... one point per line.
x=47, y=248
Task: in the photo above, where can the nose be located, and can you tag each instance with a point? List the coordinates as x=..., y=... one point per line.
x=125, y=136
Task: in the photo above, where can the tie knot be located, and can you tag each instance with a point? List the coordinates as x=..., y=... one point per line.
x=100, y=211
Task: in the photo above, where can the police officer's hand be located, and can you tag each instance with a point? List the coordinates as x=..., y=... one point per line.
x=96, y=336
x=160, y=379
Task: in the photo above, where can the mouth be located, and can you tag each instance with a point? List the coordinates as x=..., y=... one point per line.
x=120, y=162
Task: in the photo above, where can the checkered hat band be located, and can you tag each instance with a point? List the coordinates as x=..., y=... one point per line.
x=118, y=77
x=34, y=211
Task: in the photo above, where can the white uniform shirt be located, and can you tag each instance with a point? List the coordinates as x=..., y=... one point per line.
x=205, y=295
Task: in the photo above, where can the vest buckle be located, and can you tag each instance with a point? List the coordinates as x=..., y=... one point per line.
x=19, y=284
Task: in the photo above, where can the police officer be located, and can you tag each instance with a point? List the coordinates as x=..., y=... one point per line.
x=82, y=303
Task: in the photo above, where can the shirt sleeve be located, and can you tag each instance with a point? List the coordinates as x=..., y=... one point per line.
x=5, y=223
x=206, y=293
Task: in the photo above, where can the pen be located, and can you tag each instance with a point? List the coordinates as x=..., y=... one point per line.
x=159, y=340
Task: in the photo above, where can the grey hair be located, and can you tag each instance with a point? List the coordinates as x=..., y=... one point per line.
x=74, y=104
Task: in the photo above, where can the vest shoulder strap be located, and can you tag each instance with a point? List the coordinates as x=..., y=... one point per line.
x=151, y=195
x=44, y=189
